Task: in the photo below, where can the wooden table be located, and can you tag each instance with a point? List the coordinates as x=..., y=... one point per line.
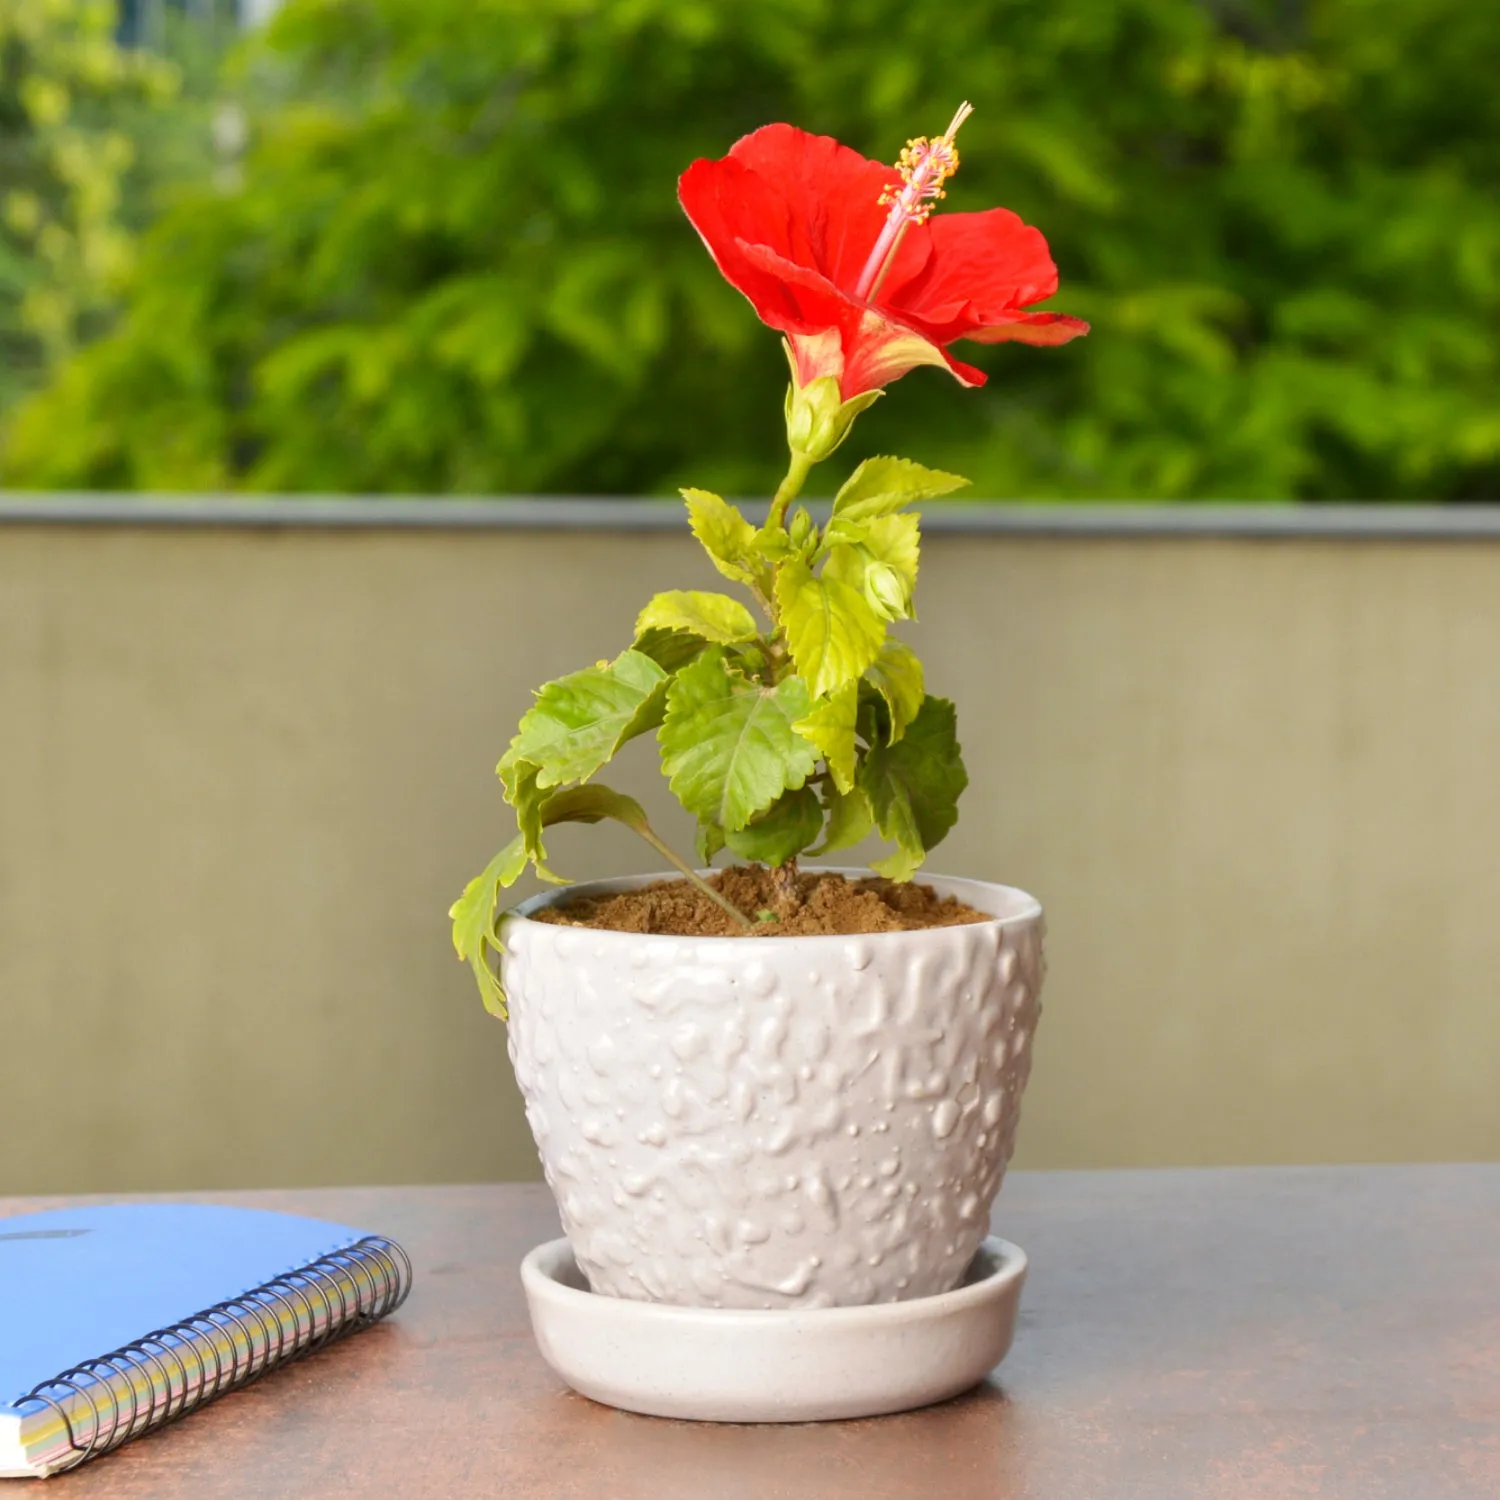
x=1229, y=1335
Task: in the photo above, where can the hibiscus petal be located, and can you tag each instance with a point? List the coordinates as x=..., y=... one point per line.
x=1031, y=328
x=877, y=348
x=884, y=350
x=814, y=301
x=982, y=266
x=830, y=195
x=721, y=197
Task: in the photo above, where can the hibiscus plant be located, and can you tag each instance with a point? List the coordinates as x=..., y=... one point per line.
x=810, y=727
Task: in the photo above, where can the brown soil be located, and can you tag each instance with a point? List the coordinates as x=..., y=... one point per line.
x=822, y=905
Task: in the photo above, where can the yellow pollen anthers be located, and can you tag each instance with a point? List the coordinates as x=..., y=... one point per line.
x=925, y=165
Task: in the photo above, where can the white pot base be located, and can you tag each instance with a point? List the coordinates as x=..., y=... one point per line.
x=793, y=1365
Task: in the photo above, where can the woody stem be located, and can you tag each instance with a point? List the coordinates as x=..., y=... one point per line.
x=784, y=888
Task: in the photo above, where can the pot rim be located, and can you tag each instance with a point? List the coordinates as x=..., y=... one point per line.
x=1028, y=911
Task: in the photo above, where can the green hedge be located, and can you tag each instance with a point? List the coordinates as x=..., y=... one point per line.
x=453, y=260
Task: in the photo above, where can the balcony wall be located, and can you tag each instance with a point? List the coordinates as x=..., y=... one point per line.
x=1248, y=760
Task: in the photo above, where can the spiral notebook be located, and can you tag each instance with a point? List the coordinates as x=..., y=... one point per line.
x=117, y=1319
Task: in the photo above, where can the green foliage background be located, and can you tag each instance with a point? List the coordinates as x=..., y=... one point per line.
x=452, y=259
x=71, y=107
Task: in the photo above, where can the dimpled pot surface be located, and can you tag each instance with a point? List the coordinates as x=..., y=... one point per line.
x=775, y=1122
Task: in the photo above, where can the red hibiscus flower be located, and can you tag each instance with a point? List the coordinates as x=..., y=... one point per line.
x=837, y=252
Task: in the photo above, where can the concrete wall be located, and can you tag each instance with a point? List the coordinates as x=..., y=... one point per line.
x=243, y=771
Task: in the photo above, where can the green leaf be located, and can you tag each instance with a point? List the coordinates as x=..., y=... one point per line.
x=669, y=649
x=878, y=557
x=708, y=840
x=914, y=786
x=774, y=544
x=528, y=799
x=849, y=819
x=880, y=486
x=473, y=914
x=727, y=743
x=800, y=537
x=748, y=661
x=724, y=533
x=783, y=831
x=584, y=804
x=473, y=917
x=830, y=726
x=713, y=617
x=896, y=674
x=579, y=721
x=588, y=804
x=831, y=629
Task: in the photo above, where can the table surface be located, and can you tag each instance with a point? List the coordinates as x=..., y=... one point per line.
x=1253, y=1334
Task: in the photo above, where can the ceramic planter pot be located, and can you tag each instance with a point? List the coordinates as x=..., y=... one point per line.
x=775, y=1122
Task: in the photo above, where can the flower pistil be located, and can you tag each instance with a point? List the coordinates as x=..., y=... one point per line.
x=925, y=165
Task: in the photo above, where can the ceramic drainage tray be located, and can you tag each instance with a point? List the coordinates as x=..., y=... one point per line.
x=730, y=1365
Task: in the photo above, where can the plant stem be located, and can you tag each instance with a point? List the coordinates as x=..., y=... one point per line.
x=789, y=489
x=764, y=600
x=784, y=885
x=648, y=833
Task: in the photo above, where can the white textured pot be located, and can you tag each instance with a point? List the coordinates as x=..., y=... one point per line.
x=775, y=1122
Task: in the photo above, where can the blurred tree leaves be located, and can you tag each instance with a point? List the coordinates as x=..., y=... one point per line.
x=68, y=101
x=453, y=260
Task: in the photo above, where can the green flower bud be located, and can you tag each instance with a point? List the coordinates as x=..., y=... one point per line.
x=886, y=591
x=802, y=530
x=817, y=421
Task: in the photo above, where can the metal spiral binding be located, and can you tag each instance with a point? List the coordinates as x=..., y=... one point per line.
x=101, y=1403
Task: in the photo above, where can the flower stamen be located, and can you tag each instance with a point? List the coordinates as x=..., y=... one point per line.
x=924, y=166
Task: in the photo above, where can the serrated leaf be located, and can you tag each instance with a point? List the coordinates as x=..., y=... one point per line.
x=579, y=721
x=473, y=914
x=473, y=917
x=849, y=819
x=783, y=831
x=880, y=486
x=914, y=786
x=712, y=617
x=831, y=629
x=669, y=649
x=723, y=533
x=528, y=799
x=830, y=726
x=727, y=742
x=896, y=674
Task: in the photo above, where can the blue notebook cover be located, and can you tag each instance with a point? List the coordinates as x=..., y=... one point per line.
x=79, y=1284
